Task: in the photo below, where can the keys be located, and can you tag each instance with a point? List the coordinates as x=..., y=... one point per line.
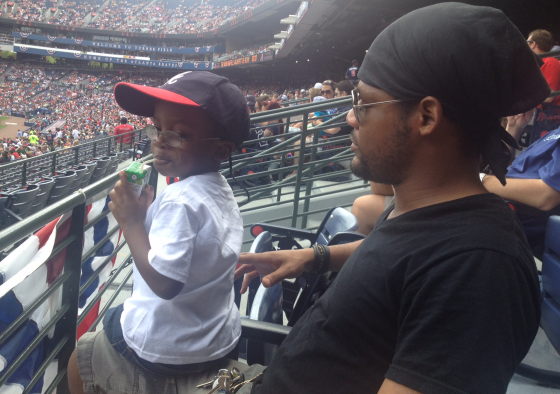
x=230, y=382
x=205, y=385
x=224, y=383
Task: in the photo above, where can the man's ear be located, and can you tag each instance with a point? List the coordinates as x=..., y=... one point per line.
x=430, y=114
x=224, y=150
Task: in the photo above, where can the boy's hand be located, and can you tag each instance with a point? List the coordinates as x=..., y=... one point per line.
x=126, y=208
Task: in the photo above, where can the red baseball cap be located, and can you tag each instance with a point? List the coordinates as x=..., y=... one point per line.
x=214, y=94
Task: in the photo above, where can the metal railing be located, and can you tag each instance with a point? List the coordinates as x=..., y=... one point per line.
x=17, y=174
x=300, y=200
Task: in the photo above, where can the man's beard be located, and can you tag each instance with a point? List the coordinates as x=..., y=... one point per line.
x=390, y=168
x=360, y=169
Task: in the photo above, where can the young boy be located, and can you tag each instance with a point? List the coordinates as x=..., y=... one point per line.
x=181, y=317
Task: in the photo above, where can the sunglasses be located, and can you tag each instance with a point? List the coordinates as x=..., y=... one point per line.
x=171, y=138
x=360, y=109
x=323, y=92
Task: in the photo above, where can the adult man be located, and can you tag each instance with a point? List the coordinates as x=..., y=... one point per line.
x=443, y=295
x=327, y=89
x=76, y=134
x=533, y=183
x=19, y=134
x=58, y=133
x=33, y=139
x=124, y=127
x=343, y=88
x=259, y=102
x=50, y=139
x=352, y=73
x=541, y=41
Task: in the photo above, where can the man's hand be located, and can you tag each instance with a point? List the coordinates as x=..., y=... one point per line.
x=279, y=265
x=126, y=208
x=521, y=120
x=288, y=264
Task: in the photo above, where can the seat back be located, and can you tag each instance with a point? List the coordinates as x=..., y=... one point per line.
x=103, y=164
x=62, y=183
x=338, y=220
x=45, y=188
x=550, y=307
x=90, y=167
x=113, y=164
x=22, y=200
x=80, y=172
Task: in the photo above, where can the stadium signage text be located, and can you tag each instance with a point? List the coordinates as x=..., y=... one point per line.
x=261, y=57
x=116, y=60
x=112, y=45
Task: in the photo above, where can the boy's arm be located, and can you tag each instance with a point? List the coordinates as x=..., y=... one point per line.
x=130, y=213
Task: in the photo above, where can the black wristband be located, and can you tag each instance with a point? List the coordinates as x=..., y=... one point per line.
x=322, y=259
x=327, y=259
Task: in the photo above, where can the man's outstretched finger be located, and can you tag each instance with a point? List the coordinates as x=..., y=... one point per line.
x=248, y=278
x=244, y=269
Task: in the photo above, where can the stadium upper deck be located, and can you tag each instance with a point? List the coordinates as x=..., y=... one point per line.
x=153, y=16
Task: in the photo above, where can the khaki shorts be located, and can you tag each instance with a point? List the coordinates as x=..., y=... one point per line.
x=104, y=370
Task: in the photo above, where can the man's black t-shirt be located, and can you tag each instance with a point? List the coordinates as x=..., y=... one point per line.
x=442, y=299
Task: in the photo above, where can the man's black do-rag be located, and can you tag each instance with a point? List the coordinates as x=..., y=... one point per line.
x=473, y=59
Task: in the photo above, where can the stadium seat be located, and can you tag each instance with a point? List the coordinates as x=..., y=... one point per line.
x=103, y=163
x=45, y=187
x=89, y=172
x=62, y=183
x=267, y=304
x=18, y=205
x=80, y=172
x=113, y=164
x=21, y=200
x=550, y=306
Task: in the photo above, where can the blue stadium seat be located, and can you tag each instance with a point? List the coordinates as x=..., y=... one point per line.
x=550, y=306
x=269, y=304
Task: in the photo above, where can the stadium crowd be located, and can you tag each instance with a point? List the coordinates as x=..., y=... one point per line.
x=67, y=115
x=136, y=16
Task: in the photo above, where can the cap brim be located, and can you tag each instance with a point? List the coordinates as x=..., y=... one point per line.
x=141, y=100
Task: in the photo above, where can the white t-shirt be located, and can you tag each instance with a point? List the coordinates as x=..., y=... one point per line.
x=75, y=134
x=196, y=232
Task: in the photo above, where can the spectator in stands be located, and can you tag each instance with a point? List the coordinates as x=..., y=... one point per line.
x=5, y=158
x=33, y=139
x=21, y=151
x=259, y=102
x=443, y=295
x=541, y=41
x=352, y=73
x=123, y=128
x=343, y=88
x=327, y=89
x=275, y=127
x=251, y=100
x=533, y=182
x=50, y=138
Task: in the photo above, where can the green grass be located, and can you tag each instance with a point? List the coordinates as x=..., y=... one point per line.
x=3, y=118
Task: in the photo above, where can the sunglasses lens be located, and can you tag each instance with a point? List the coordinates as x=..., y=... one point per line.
x=151, y=132
x=172, y=139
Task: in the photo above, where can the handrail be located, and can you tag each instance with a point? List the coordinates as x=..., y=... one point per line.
x=549, y=54
x=5, y=166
